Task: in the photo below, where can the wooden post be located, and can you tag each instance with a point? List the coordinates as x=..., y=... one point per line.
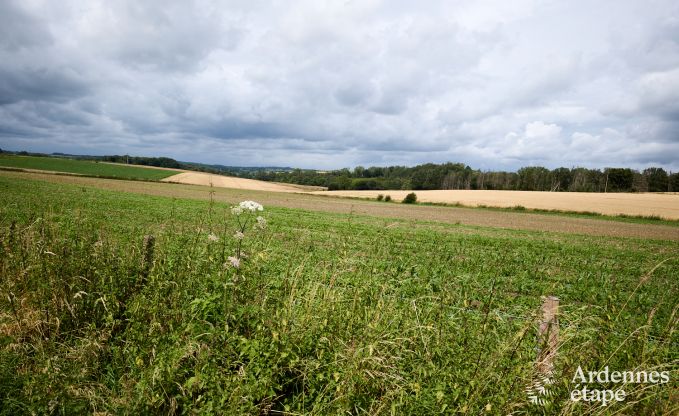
x=548, y=335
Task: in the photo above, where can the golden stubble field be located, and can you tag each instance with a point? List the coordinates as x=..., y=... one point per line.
x=664, y=205
x=206, y=179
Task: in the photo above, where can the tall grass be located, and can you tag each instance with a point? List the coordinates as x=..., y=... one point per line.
x=326, y=314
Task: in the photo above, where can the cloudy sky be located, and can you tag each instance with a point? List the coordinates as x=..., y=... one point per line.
x=330, y=84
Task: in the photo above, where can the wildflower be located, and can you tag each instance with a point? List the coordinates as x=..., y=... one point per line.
x=236, y=210
x=235, y=261
x=251, y=206
x=239, y=235
x=261, y=223
x=212, y=238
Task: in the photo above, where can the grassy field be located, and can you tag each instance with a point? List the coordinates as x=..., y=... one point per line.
x=327, y=313
x=84, y=167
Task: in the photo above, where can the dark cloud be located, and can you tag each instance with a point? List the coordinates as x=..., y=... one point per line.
x=39, y=84
x=333, y=84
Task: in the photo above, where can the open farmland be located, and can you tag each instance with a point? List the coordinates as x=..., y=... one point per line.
x=84, y=167
x=339, y=312
x=207, y=179
x=581, y=224
x=665, y=205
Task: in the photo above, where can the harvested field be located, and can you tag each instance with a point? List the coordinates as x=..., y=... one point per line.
x=206, y=179
x=665, y=205
x=309, y=201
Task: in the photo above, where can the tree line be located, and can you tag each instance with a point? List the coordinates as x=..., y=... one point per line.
x=431, y=176
x=460, y=176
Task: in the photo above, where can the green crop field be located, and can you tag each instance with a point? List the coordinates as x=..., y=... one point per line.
x=84, y=167
x=325, y=314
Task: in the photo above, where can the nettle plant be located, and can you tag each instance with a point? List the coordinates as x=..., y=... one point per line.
x=247, y=220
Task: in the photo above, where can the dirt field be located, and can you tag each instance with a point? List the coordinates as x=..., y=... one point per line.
x=663, y=205
x=205, y=179
x=446, y=215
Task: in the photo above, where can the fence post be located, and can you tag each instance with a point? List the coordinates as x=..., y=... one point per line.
x=548, y=335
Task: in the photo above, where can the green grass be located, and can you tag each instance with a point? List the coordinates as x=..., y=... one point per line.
x=84, y=167
x=329, y=313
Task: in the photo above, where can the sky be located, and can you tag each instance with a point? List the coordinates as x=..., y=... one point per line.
x=332, y=84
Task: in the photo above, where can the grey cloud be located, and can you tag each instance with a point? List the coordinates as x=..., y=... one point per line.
x=336, y=84
x=19, y=29
x=40, y=84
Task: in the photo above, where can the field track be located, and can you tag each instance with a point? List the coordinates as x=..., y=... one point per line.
x=465, y=216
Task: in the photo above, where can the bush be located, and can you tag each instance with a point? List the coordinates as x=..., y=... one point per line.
x=380, y=197
x=387, y=198
x=411, y=198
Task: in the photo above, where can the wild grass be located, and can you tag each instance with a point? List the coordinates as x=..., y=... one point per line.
x=326, y=314
x=83, y=167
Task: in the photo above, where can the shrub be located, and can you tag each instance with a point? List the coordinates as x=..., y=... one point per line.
x=411, y=198
x=380, y=197
x=387, y=198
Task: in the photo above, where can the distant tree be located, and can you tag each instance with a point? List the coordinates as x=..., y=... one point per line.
x=411, y=198
x=619, y=179
x=387, y=198
x=640, y=182
x=561, y=179
x=380, y=197
x=657, y=179
x=364, y=184
x=674, y=182
x=534, y=178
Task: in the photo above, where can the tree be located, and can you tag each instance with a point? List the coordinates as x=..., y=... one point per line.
x=561, y=179
x=657, y=179
x=620, y=179
x=674, y=182
x=411, y=198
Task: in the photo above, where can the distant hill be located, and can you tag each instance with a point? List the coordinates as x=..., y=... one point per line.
x=235, y=169
x=164, y=162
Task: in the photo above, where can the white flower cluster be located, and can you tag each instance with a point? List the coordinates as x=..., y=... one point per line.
x=251, y=206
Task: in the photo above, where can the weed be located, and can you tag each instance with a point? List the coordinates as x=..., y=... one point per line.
x=411, y=198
